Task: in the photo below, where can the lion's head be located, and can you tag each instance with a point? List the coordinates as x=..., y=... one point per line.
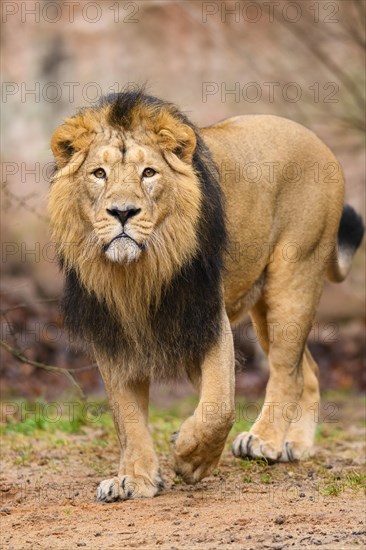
x=125, y=185
x=135, y=206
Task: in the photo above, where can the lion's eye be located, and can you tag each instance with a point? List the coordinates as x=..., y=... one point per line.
x=99, y=173
x=148, y=173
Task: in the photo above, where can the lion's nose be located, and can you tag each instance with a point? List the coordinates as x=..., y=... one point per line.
x=123, y=215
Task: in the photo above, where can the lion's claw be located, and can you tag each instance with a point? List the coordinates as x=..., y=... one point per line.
x=128, y=487
x=250, y=445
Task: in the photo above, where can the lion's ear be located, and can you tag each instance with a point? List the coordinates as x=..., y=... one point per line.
x=62, y=142
x=180, y=139
x=70, y=137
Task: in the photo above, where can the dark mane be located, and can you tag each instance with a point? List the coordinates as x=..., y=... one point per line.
x=187, y=321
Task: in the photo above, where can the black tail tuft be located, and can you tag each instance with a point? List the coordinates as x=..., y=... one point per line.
x=351, y=229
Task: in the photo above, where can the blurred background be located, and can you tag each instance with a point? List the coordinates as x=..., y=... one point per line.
x=302, y=60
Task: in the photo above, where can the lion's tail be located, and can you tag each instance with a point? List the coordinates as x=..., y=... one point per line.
x=350, y=234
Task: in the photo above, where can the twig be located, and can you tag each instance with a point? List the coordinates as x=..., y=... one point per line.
x=22, y=202
x=325, y=60
x=10, y=326
x=25, y=305
x=23, y=359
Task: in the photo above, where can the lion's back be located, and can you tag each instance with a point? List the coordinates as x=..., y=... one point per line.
x=281, y=184
x=270, y=164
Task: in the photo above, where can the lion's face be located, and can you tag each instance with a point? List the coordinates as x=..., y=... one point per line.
x=126, y=193
x=129, y=192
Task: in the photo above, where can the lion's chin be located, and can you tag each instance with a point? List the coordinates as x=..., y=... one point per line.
x=123, y=251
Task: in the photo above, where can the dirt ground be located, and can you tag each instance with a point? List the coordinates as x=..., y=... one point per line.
x=49, y=480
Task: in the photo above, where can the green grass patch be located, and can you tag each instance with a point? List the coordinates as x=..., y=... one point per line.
x=31, y=419
x=55, y=421
x=332, y=489
x=337, y=484
x=330, y=432
x=266, y=478
x=356, y=480
x=24, y=454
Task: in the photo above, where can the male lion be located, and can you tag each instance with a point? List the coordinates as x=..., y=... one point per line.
x=167, y=234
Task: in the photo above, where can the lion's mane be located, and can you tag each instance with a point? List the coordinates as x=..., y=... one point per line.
x=183, y=320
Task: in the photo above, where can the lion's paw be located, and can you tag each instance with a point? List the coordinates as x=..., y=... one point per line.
x=195, y=458
x=195, y=467
x=128, y=487
x=250, y=445
x=293, y=450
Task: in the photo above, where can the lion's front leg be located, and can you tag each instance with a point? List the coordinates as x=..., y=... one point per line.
x=138, y=474
x=201, y=439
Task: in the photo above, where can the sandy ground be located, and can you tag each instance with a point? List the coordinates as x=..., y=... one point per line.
x=48, y=490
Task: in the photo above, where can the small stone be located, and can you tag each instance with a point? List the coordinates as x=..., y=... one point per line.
x=302, y=495
x=5, y=511
x=81, y=544
x=280, y=520
x=98, y=534
x=196, y=515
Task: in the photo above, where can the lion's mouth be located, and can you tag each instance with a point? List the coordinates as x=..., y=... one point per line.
x=123, y=236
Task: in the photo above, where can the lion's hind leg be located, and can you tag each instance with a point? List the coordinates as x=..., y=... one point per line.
x=286, y=425
x=300, y=434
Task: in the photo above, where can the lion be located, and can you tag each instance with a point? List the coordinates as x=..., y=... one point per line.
x=168, y=235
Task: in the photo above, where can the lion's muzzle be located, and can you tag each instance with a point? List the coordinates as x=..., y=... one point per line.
x=125, y=214
x=123, y=249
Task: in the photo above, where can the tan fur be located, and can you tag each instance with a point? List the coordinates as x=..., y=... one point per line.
x=268, y=217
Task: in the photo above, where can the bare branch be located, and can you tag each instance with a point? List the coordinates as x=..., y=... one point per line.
x=59, y=370
x=351, y=28
x=21, y=201
x=348, y=83
x=25, y=305
x=361, y=8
